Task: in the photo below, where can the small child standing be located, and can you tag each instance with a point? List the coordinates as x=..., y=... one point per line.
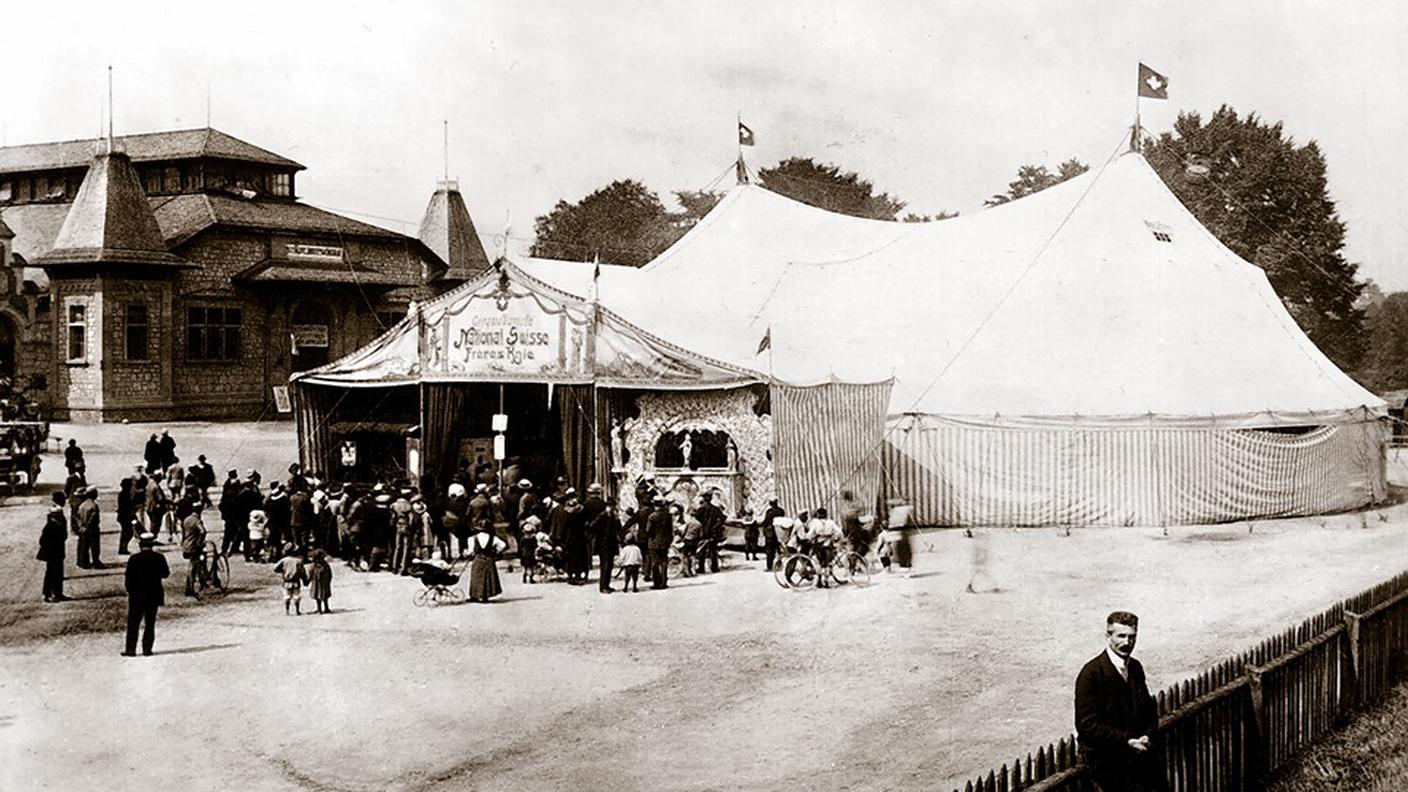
x=320, y=581
x=258, y=529
x=294, y=575
x=545, y=550
x=528, y=555
x=629, y=561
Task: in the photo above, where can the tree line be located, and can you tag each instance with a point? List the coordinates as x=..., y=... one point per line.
x=1257, y=190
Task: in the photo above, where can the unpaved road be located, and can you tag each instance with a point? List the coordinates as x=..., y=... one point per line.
x=722, y=682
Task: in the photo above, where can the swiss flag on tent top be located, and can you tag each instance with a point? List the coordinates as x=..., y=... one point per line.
x=1152, y=84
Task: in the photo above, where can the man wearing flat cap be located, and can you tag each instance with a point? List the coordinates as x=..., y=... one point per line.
x=145, y=593
x=1116, y=716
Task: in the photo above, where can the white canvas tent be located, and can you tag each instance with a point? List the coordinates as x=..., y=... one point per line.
x=1086, y=355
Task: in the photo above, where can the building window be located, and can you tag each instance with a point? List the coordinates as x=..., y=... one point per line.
x=193, y=178
x=389, y=319
x=7, y=190
x=151, y=181
x=171, y=179
x=24, y=185
x=213, y=333
x=77, y=331
x=41, y=187
x=138, y=330
x=1162, y=236
x=57, y=187
x=279, y=184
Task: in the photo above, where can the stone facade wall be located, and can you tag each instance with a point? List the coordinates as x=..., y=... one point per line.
x=136, y=388
x=171, y=385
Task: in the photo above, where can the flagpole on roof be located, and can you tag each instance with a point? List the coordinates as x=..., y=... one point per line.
x=109, y=109
x=741, y=169
x=1134, y=133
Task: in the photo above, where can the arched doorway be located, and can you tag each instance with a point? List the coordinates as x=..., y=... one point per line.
x=9, y=345
x=311, y=326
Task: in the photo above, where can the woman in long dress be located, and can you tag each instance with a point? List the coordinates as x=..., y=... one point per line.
x=483, y=570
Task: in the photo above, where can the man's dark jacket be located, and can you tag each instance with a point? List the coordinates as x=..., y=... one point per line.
x=1109, y=713
x=145, y=571
x=54, y=536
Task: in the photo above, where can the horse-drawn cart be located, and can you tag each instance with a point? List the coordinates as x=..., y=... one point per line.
x=21, y=443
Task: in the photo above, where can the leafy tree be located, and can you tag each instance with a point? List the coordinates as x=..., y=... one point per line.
x=695, y=204
x=623, y=223
x=1266, y=199
x=1385, y=365
x=828, y=187
x=1035, y=178
x=911, y=217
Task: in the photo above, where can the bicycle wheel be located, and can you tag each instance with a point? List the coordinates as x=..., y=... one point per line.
x=778, y=573
x=422, y=598
x=220, y=575
x=202, y=576
x=859, y=568
x=800, y=572
x=838, y=570
x=456, y=596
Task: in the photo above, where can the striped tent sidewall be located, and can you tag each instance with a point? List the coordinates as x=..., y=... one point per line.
x=961, y=474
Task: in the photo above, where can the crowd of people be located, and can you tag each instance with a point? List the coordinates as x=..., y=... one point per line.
x=299, y=525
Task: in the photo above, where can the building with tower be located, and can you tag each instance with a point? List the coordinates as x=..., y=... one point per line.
x=176, y=275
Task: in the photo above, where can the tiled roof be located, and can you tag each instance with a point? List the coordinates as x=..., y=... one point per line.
x=449, y=232
x=5, y=232
x=147, y=147
x=110, y=220
x=184, y=216
x=284, y=271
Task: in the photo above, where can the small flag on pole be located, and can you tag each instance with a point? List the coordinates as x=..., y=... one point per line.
x=765, y=344
x=745, y=135
x=596, y=277
x=1152, y=85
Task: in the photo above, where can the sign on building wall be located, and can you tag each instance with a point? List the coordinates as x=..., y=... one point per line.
x=303, y=252
x=502, y=332
x=310, y=335
x=282, y=403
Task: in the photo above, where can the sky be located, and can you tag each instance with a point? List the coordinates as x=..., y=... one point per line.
x=937, y=103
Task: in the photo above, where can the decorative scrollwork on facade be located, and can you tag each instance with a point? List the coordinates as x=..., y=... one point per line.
x=728, y=411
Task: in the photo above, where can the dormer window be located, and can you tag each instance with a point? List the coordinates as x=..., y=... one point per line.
x=279, y=184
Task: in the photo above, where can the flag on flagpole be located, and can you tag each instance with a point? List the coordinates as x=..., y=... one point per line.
x=1152, y=85
x=596, y=277
x=765, y=344
x=745, y=135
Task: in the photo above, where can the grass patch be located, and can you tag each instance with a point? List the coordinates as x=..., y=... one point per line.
x=1371, y=754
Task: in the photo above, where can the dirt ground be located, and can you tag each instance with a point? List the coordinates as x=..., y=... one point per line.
x=722, y=682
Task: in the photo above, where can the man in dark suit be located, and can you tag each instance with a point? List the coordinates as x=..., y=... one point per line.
x=51, y=549
x=606, y=539
x=145, y=593
x=662, y=532
x=1116, y=716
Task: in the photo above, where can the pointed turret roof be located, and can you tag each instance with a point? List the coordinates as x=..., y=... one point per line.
x=110, y=220
x=450, y=234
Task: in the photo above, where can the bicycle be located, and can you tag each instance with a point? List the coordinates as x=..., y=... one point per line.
x=799, y=571
x=212, y=569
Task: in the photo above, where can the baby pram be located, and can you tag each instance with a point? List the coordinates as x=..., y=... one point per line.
x=438, y=585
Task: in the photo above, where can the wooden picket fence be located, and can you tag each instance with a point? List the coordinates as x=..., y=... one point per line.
x=1239, y=721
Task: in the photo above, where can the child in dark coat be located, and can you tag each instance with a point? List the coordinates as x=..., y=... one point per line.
x=320, y=581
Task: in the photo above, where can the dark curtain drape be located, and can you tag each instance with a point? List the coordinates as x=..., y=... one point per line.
x=312, y=407
x=578, y=434
x=608, y=407
x=442, y=412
